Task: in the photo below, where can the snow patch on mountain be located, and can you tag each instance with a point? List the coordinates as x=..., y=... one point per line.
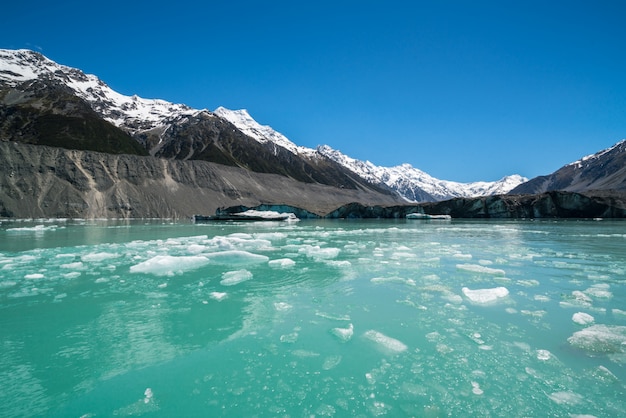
x=130, y=112
x=588, y=159
x=262, y=133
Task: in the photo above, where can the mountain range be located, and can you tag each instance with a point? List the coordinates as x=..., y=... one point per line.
x=43, y=103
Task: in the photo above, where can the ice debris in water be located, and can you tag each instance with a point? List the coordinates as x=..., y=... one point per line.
x=168, y=265
x=237, y=257
x=231, y=278
x=476, y=268
x=318, y=253
x=218, y=296
x=281, y=263
x=600, y=339
x=582, y=318
x=344, y=334
x=388, y=343
x=570, y=398
x=95, y=257
x=485, y=296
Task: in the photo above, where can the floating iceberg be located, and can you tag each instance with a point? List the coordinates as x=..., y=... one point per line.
x=388, y=343
x=168, y=265
x=485, y=296
x=600, y=339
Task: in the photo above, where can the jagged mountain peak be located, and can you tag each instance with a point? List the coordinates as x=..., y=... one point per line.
x=262, y=133
x=132, y=113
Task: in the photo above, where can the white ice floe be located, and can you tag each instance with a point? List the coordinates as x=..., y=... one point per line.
x=600, y=338
x=218, y=296
x=95, y=257
x=78, y=265
x=476, y=390
x=485, y=296
x=34, y=276
x=583, y=318
x=385, y=342
x=544, y=355
x=281, y=263
x=318, y=253
x=477, y=268
x=599, y=291
x=236, y=257
x=231, y=278
x=168, y=265
x=344, y=334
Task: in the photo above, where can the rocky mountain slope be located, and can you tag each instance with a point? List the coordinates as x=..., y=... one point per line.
x=41, y=181
x=411, y=184
x=32, y=87
x=604, y=170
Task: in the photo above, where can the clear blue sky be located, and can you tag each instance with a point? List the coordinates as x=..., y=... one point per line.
x=464, y=90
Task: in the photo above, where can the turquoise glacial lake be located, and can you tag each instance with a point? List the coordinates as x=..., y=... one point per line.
x=315, y=318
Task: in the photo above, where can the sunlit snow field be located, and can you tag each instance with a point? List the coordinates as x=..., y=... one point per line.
x=316, y=318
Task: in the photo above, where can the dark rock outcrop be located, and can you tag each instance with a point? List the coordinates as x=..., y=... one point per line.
x=545, y=205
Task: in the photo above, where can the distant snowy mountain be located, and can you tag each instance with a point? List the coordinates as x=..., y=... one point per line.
x=417, y=186
x=410, y=183
x=177, y=131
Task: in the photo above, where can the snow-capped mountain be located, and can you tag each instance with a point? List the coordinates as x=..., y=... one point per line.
x=417, y=186
x=130, y=112
x=262, y=133
x=410, y=183
x=604, y=170
x=177, y=131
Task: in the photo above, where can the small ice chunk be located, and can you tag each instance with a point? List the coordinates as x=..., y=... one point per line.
x=168, y=265
x=344, y=334
x=543, y=355
x=34, y=276
x=95, y=257
x=237, y=257
x=317, y=253
x=600, y=339
x=281, y=263
x=231, y=278
x=476, y=268
x=218, y=296
x=331, y=362
x=388, y=343
x=148, y=395
x=583, y=318
x=600, y=292
x=570, y=398
x=73, y=266
x=485, y=296
x=476, y=390
x=282, y=306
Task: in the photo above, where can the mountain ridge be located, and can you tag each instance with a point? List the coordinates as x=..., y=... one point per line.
x=603, y=170
x=177, y=131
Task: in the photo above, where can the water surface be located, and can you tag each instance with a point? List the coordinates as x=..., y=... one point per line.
x=322, y=318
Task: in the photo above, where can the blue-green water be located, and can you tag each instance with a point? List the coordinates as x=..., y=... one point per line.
x=333, y=318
